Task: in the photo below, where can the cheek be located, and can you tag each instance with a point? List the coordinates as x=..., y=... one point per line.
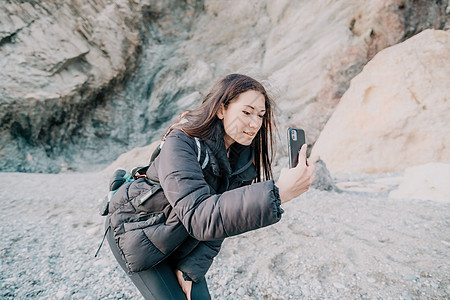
x=261, y=121
x=233, y=120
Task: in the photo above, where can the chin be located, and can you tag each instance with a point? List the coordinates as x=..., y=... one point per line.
x=245, y=142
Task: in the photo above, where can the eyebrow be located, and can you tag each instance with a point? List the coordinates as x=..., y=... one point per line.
x=262, y=110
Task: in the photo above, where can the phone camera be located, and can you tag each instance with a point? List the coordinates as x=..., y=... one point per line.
x=294, y=135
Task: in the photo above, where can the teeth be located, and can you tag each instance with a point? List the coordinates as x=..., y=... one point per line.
x=250, y=134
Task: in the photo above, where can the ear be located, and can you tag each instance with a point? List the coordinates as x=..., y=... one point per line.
x=220, y=111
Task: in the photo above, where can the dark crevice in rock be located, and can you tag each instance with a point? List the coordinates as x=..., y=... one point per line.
x=10, y=38
x=57, y=68
x=420, y=15
x=349, y=72
x=351, y=27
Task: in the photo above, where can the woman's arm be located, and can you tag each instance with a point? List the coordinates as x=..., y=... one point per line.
x=208, y=216
x=196, y=264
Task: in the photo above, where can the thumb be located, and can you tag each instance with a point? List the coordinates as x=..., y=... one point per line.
x=302, y=155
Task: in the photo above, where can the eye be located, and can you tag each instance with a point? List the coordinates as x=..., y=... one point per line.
x=261, y=116
x=245, y=112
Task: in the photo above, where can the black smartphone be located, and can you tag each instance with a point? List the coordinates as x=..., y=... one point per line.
x=296, y=138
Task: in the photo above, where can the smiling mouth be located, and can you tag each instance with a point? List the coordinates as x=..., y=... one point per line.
x=252, y=134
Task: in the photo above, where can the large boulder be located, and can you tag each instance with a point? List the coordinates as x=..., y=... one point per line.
x=426, y=182
x=396, y=111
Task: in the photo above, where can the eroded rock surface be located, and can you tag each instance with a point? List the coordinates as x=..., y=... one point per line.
x=396, y=111
x=58, y=58
x=85, y=81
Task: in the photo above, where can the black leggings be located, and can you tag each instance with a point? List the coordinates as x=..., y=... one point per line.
x=159, y=282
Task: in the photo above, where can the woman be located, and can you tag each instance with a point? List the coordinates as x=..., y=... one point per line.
x=214, y=170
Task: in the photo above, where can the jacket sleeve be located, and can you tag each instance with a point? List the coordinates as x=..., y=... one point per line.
x=196, y=264
x=208, y=216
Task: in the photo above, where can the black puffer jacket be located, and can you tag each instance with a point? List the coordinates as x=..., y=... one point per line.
x=201, y=207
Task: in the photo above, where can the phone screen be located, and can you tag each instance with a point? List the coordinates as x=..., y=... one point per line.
x=296, y=138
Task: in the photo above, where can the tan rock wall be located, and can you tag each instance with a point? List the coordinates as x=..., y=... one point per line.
x=396, y=112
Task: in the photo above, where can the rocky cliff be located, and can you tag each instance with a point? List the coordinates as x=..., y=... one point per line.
x=59, y=60
x=86, y=80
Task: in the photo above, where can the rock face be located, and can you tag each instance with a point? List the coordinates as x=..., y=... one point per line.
x=317, y=47
x=427, y=182
x=58, y=59
x=396, y=112
x=84, y=81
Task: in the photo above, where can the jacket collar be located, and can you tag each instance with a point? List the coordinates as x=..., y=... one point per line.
x=240, y=161
x=241, y=158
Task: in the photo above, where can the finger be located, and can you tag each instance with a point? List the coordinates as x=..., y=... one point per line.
x=188, y=291
x=302, y=155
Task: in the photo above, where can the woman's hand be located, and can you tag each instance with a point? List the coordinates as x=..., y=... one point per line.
x=294, y=182
x=186, y=286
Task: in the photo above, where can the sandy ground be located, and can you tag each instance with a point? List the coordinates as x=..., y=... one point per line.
x=328, y=245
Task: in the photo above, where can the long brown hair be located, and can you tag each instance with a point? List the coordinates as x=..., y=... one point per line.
x=203, y=122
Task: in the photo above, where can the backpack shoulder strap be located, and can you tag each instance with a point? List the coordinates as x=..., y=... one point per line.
x=202, y=153
x=201, y=156
x=156, y=153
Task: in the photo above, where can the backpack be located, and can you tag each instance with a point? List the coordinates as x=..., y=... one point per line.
x=120, y=178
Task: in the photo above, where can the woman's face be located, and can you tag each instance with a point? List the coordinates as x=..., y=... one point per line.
x=243, y=117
